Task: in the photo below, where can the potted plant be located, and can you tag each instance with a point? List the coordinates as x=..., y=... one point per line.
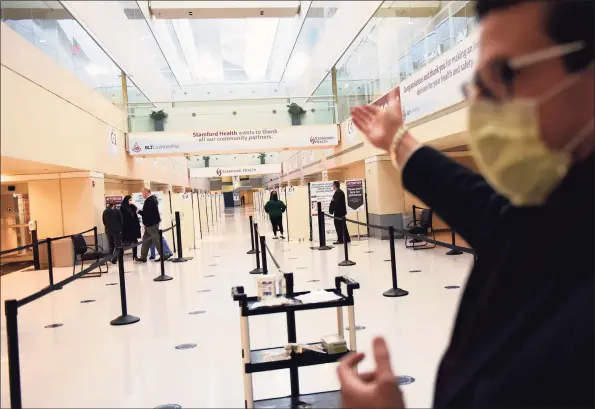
x=206, y=159
x=262, y=157
x=296, y=112
x=158, y=117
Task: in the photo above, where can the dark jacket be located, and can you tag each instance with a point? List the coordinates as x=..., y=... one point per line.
x=275, y=208
x=131, y=227
x=112, y=220
x=338, y=207
x=150, y=212
x=523, y=335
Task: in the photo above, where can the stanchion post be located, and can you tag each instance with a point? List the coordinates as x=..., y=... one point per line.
x=12, y=343
x=321, y=230
x=346, y=262
x=180, y=258
x=395, y=291
x=95, y=235
x=252, y=250
x=453, y=252
x=125, y=318
x=51, y=265
x=35, y=241
x=257, y=270
x=263, y=246
x=162, y=276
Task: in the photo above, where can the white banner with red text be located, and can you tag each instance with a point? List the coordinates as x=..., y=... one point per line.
x=265, y=139
x=235, y=170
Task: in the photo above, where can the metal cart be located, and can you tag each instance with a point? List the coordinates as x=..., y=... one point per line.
x=254, y=360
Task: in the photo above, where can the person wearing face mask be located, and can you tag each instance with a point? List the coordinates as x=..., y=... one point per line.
x=523, y=335
x=131, y=224
x=275, y=209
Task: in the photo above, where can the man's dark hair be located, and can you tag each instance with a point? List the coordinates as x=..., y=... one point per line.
x=337, y=184
x=566, y=21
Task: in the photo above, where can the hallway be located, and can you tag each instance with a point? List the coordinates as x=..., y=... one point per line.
x=88, y=363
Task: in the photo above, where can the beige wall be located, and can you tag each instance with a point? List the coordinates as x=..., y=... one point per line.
x=45, y=206
x=384, y=187
x=50, y=116
x=82, y=204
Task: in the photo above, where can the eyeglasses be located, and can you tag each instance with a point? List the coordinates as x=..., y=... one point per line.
x=500, y=73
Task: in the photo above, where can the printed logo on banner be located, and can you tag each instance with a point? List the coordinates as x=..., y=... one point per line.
x=218, y=171
x=321, y=140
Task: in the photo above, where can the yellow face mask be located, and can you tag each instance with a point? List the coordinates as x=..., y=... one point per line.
x=507, y=146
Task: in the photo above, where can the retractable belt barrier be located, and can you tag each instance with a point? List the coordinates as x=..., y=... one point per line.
x=12, y=306
x=408, y=234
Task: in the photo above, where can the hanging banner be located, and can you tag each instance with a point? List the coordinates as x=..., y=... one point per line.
x=322, y=192
x=355, y=195
x=437, y=85
x=233, y=140
x=235, y=170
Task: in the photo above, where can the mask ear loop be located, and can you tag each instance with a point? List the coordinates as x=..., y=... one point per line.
x=579, y=137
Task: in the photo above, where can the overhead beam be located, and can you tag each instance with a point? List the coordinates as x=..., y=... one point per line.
x=224, y=9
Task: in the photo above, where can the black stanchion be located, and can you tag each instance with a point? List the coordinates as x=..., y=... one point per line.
x=180, y=258
x=395, y=291
x=95, y=236
x=263, y=246
x=346, y=262
x=12, y=343
x=257, y=270
x=125, y=318
x=321, y=232
x=253, y=250
x=35, y=241
x=453, y=252
x=162, y=276
x=51, y=265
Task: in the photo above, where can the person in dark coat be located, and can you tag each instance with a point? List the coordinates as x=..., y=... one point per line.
x=151, y=220
x=524, y=331
x=275, y=209
x=131, y=224
x=338, y=208
x=112, y=221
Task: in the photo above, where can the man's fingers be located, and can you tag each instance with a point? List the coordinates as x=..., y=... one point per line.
x=348, y=364
x=360, y=121
x=382, y=357
x=367, y=376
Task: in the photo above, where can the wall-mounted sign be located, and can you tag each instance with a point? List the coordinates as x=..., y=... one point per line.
x=322, y=192
x=116, y=199
x=438, y=84
x=233, y=140
x=112, y=140
x=235, y=170
x=355, y=195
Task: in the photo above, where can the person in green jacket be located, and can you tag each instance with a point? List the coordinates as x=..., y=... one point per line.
x=275, y=209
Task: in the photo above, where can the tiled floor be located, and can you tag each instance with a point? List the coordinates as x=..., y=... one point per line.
x=89, y=363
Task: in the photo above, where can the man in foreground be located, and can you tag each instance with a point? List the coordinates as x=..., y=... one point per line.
x=523, y=335
x=338, y=208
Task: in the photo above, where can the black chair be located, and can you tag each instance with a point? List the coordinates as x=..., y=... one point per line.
x=81, y=250
x=421, y=228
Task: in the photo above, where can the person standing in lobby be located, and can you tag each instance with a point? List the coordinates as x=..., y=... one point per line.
x=275, y=209
x=112, y=221
x=131, y=225
x=151, y=220
x=526, y=316
x=338, y=208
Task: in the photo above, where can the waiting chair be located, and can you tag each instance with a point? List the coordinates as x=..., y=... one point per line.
x=423, y=227
x=81, y=250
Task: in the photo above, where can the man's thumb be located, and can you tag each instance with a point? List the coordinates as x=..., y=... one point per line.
x=382, y=357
